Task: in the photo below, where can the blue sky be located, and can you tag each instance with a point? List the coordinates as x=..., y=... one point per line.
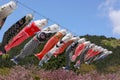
x=80, y=17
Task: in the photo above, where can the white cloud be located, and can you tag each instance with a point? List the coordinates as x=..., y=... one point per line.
x=114, y=16
x=108, y=8
x=107, y=5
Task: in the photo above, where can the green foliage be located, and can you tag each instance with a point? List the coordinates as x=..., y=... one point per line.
x=36, y=77
x=5, y=56
x=113, y=43
x=4, y=71
x=86, y=69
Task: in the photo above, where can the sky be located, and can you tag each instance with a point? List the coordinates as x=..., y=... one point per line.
x=80, y=17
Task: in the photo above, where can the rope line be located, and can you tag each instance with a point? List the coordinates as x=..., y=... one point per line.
x=43, y=16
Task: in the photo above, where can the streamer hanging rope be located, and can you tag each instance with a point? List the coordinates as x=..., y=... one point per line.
x=34, y=11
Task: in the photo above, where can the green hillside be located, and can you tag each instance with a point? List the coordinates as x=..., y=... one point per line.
x=109, y=64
